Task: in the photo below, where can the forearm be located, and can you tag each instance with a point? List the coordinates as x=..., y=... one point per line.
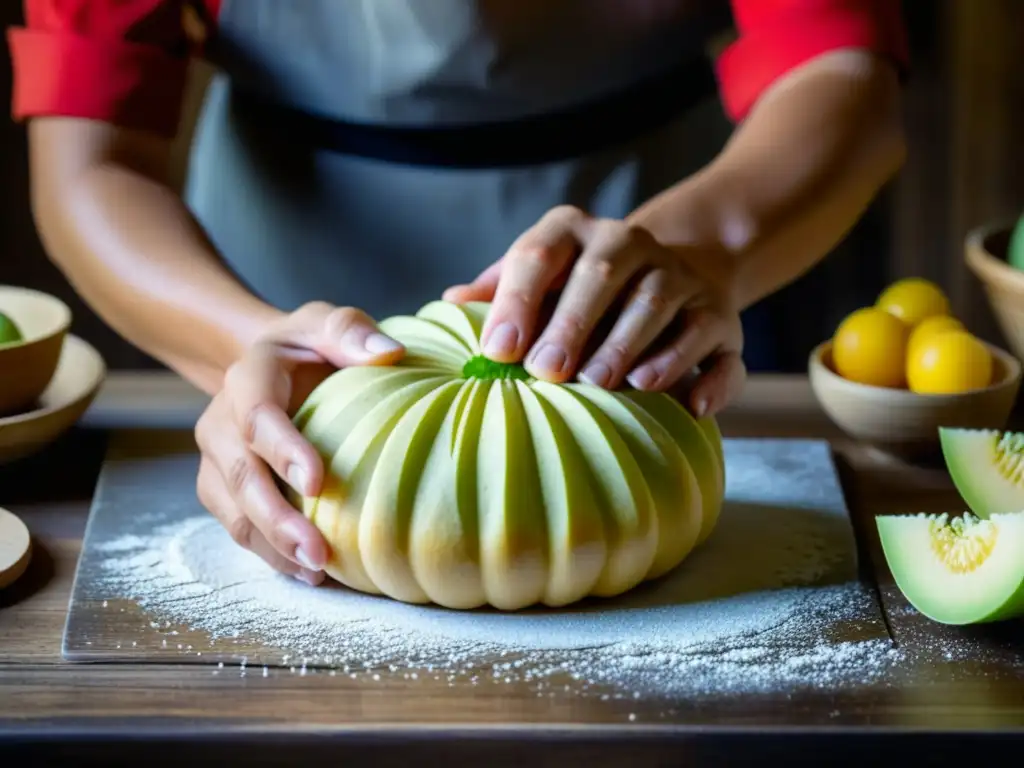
x=792, y=181
x=132, y=250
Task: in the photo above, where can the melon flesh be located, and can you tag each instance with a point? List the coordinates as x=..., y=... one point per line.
x=987, y=468
x=961, y=570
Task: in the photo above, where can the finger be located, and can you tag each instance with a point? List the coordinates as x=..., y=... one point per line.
x=704, y=333
x=481, y=289
x=251, y=487
x=612, y=258
x=719, y=385
x=344, y=336
x=213, y=494
x=259, y=390
x=531, y=267
x=658, y=298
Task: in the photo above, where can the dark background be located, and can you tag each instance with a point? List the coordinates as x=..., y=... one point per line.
x=965, y=123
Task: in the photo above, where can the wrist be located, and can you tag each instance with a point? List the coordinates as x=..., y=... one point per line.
x=238, y=331
x=706, y=222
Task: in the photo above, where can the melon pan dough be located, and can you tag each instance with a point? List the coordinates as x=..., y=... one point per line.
x=457, y=481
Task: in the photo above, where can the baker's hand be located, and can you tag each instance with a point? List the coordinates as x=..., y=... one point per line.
x=246, y=436
x=666, y=319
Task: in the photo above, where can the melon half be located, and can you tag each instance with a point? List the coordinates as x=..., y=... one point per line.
x=957, y=570
x=455, y=480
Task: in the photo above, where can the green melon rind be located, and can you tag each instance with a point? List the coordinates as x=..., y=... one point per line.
x=973, y=461
x=992, y=592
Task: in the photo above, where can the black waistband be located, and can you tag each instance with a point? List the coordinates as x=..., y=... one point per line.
x=530, y=141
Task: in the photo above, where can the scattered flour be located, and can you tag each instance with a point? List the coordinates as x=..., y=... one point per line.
x=712, y=628
x=770, y=602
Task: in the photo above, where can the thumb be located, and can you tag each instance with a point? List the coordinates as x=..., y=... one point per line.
x=481, y=289
x=343, y=336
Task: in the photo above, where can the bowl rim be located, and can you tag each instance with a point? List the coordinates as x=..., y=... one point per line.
x=988, y=267
x=88, y=387
x=816, y=362
x=61, y=306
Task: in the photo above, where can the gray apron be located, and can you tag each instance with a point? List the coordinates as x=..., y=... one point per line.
x=298, y=222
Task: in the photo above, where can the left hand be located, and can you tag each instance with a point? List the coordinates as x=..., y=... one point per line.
x=669, y=320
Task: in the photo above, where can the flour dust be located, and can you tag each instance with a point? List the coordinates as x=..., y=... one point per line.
x=717, y=625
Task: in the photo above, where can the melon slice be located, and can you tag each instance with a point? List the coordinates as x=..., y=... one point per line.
x=987, y=468
x=959, y=570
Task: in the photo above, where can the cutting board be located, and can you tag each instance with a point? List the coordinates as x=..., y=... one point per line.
x=148, y=481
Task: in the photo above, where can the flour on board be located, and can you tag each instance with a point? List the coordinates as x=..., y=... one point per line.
x=669, y=638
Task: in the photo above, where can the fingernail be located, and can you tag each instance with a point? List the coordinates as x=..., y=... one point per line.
x=700, y=407
x=379, y=344
x=642, y=378
x=597, y=374
x=502, y=341
x=313, y=578
x=297, y=478
x=550, y=358
x=305, y=560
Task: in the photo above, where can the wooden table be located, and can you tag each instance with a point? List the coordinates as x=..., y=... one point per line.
x=162, y=713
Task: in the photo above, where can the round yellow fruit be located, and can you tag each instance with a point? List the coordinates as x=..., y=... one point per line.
x=949, y=363
x=870, y=347
x=913, y=299
x=931, y=326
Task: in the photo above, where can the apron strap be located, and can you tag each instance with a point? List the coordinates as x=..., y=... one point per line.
x=551, y=137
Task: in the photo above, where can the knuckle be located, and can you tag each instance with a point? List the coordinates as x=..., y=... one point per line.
x=568, y=212
x=638, y=235
x=234, y=375
x=241, y=530
x=567, y=324
x=240, y=474
x=199, y=433
x=203, y=485
x=652, y=300
x=600, y=269
x=701, y=320
x=251, y=423
x=515, y=297
x=536, y=254
x=340, y=320
x=313, y=309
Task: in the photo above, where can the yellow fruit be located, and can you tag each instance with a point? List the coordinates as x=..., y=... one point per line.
x=913, y=299
x=931, y=326
x=870, y=347
x=949, y=363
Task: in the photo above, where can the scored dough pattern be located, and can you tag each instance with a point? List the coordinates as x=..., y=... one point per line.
x=463, y=491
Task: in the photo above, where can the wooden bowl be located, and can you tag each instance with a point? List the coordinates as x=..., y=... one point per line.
x=26, y=367
x=904, y=423
x=985, y=251
x=80, y=372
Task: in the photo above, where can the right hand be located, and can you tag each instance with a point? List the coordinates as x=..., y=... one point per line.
x=246, y=432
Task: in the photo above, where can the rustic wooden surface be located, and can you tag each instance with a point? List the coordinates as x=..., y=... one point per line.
x=47, y=705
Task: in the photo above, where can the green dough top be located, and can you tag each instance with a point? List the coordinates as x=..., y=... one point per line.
x=9, y=331
x=480, y=367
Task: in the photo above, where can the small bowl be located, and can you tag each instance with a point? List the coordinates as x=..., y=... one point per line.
x=73, y=387
x=985, y=250
x=904, y=423
x=27, y=366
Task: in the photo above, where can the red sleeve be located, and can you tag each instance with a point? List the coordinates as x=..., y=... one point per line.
x=119, y=61
x=776, y=36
